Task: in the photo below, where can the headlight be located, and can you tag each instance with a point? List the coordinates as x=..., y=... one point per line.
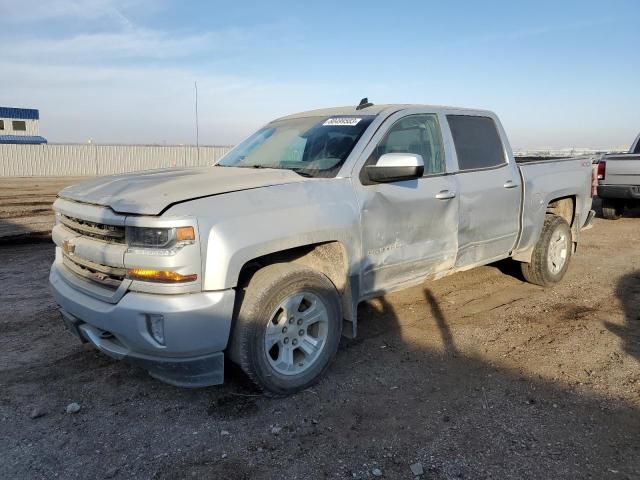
x=160, y=237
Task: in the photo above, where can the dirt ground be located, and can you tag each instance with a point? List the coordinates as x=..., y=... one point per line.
x=25, y=205
x=478, y=375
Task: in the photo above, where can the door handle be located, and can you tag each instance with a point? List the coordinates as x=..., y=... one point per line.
x=445, y=195
x=510, y=184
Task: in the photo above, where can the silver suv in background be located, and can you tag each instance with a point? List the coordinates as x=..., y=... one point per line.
x=263, y=258
x=619, y=181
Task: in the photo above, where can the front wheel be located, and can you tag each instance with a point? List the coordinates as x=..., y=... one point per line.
x=287, y=329
x=612, y=209
x=551, y=254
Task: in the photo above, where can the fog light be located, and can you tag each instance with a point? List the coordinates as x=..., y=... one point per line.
x=155, y=325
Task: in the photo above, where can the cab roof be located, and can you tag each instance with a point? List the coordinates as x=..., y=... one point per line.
x=375, y=110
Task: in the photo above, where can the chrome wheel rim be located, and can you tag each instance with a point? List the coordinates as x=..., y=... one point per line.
x=558, y=251
x=296, y=333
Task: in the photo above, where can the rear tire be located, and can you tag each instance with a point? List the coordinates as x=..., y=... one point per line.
x=612, y=209
x=287, y=329
x=551, y=254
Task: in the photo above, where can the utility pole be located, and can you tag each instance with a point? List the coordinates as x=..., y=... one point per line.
x=197, y=126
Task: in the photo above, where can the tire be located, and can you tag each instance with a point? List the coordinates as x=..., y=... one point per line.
x=550, y=260
x=280, y=355
x=612, y=209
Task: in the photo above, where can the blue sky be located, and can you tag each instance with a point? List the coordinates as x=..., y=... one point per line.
x=559, y=74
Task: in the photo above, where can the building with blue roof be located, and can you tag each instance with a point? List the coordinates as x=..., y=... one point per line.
x=20, y=125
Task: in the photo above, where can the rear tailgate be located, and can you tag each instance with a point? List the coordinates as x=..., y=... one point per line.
x=623, y=169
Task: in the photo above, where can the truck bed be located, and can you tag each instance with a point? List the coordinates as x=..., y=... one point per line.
x=530, y=160
x=549, y=179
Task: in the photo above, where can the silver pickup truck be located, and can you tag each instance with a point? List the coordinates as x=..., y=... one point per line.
x=264, y=257
x=619, y=181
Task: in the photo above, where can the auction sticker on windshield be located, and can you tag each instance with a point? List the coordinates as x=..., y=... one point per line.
x=344, y=121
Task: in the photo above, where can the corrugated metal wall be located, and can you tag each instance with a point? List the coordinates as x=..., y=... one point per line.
x=87, y=160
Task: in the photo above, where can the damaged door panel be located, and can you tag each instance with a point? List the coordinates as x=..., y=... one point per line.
x=407, y=232
x=409, y=227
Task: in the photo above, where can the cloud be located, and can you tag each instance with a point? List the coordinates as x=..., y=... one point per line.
x=34, y=11
x=509, y=35
x=135, y=43
x=115, y=36
x=122, y=82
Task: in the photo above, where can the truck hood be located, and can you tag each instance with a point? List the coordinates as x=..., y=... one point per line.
x=151, y=192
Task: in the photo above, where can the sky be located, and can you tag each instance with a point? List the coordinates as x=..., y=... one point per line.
x=558, y=73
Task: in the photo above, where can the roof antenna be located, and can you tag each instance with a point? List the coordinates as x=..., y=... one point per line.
x=364, y=103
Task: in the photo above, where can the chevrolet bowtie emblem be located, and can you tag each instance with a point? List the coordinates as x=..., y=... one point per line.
x=68, y=247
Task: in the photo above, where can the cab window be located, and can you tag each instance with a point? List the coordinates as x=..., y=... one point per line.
x=419, y=134
x=477, y=142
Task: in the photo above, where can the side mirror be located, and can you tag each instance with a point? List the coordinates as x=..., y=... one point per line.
x=394, y=167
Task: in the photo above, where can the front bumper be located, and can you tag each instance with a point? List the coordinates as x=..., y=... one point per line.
x=626, y=192
x=196, y=329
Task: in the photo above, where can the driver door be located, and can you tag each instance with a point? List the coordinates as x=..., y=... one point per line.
x=409, y=227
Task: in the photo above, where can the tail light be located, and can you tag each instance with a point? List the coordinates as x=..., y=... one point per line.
x=597, y=173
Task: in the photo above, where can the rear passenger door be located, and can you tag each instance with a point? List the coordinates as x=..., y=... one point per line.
x=489, y=189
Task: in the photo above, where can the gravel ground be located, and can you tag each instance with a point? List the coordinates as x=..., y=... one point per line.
x=25, y=205
x=478, y=375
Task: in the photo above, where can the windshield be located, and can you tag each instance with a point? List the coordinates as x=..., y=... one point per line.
x=311, y=146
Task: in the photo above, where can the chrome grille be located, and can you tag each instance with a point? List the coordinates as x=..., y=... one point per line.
x=99, y=231
x=104, y=275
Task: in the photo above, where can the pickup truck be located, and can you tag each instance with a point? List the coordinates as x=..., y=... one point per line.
x=619, y=181
x=263, y=258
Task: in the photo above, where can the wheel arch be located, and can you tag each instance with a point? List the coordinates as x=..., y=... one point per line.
x=330, y=258
x=563, y=206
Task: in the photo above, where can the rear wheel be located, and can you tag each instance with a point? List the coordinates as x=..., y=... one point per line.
x=612, y=209
x=552, y=253
x=288, y=328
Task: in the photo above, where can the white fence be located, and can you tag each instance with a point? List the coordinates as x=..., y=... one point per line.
x=90, y=160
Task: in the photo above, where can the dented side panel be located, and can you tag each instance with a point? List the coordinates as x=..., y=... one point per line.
x=406, y=232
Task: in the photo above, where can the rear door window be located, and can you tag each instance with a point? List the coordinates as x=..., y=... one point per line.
x=477, y=142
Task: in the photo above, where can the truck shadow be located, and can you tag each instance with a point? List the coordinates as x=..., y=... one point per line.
x=441, y=322
x=628, y=292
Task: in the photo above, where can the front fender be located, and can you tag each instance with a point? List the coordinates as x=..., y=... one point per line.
x=237, y=227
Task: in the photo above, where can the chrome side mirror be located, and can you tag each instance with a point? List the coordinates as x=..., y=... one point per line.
x=395, y=167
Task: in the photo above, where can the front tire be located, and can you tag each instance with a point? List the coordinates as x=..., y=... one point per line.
x=551, y=254
x=612, y=209
x=287, y=329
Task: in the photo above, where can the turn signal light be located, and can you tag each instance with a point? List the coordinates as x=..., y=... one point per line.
x=185, y=234
x=161, y=276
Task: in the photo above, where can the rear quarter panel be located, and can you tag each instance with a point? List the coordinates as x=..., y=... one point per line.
x=547, y=181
